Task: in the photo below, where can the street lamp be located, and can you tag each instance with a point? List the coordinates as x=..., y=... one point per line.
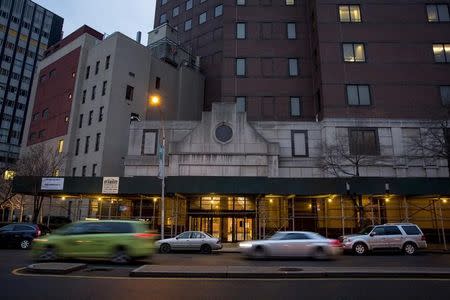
x=155, y=101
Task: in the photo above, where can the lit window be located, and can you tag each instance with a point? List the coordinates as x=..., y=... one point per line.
x=290, y=2
x=240, y=2
x=9, y=175
x=350, y=13
x=354, y=52
x=60, y=146
x=441, y=53
x=438, y=13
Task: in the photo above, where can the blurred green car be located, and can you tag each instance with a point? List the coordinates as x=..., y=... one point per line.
x=119, y=241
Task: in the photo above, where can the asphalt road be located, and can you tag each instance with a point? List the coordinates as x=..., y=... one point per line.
x=105, y=281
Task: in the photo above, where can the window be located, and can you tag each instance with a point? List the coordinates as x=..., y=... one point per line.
x=175, y=11
x=293, y=66
x=240, y=66
x=108, y=58
x=163, y=2
x=441, y=53
x=291, y=31
x=379, y=231
x=240, y=2
x=88, y=70
x=162, y=18
x=241, y=104
x=129, y=93
x=60, y=146
x=86, y=145
x=100, y=114
x=149, y=141
x=299, y=140
x=94, y=170
x=358, y=95
x=74, y=172
x=80, y=121
x=218, y=11
x=354, y=52
x=188, y=4
x=83, y=171
x=445, y=95
x=240, y=31
x=392, y=230
x=97, y=141
x=83, y=100
x=411, y=230
x=188, y=25
x=295, y=107
x=290, y=2
x=97, y=66
x=296, y=236
x=45, y=113
x=349, y=13
x=104, y=88
x=77, y=147
x=94, y=88
x=438, y=13
x=202, y=18
x=157, y=83
x=363, y=141
x=91, y=113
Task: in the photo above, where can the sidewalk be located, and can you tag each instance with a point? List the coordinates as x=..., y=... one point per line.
x=285, y=272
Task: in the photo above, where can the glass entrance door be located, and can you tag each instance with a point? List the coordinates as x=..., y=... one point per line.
x=227, y=229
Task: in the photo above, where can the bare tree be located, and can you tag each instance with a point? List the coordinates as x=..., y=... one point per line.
x=39, y=160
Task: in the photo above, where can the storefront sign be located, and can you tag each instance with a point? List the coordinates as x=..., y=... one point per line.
x=110, y=185
x=52, y=184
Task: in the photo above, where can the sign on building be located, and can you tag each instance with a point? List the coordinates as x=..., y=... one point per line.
x=110, y=185
x=52, y=184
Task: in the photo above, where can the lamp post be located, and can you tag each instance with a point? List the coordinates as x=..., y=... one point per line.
x=156, y=102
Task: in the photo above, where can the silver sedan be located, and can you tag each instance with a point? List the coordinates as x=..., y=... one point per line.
x=190, y=240
x=292, y=244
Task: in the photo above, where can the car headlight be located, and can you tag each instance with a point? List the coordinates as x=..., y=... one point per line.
x=245, y=245
x=347, y=240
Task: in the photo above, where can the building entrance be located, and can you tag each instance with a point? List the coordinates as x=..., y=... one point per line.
x=227, y=229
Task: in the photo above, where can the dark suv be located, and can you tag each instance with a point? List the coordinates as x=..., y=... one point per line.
x=19, y=235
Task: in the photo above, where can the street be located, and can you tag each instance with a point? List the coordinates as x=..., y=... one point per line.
x=102, y=280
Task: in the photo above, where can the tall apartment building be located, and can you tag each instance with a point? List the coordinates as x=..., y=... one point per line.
x=26, y=31
x=88, y=90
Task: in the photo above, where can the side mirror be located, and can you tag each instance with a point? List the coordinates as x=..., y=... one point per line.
x=373, y=234
x=177, y=238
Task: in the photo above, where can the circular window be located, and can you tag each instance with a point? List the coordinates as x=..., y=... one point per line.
x=224, y=133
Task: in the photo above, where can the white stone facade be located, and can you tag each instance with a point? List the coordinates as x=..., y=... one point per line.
x=266, y=148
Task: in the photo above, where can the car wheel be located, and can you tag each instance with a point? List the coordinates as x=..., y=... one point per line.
x=49, y=254
x=320, y=254
x=360, y=249
x=25, y=244
x=165, y=248
x=259, y=252
x=121, y=256
x=205, y=249
x=409, y=249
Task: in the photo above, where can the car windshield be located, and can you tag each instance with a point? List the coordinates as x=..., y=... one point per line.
x=277, y=236
x=366, y=230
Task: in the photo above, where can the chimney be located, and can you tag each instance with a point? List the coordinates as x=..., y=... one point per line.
x=138, y=37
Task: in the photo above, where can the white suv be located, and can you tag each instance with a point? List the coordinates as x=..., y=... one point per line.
x=400, y=236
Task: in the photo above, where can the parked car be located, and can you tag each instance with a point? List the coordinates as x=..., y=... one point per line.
x=190, y=240
x=120, y=241
x=402, y=236
x=19, y=235
x=292, y=244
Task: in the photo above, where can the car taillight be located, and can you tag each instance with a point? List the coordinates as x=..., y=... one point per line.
x=145, y=235
x=423, y=238
x=335, y=243
x=38, y=232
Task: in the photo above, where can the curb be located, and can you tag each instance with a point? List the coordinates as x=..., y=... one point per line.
x=54, y=268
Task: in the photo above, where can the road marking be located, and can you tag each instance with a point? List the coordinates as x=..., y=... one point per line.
x=16, y=272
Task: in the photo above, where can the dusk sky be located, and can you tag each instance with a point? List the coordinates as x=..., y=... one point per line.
x=106, y=16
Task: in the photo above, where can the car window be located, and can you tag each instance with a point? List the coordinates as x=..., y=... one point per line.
x=197, y=235
x=278, y=236
x=118, y=227
x=185, y=235
x=392, y=230
x=411, y=230
x=379, y=230
x=7, y=228
x=79, y=228
x=296, y=236
x=23, y=228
